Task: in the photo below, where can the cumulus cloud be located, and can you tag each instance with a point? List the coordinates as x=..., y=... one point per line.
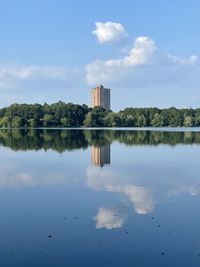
x=144, y=59
x=108, y=32
x=109, y=218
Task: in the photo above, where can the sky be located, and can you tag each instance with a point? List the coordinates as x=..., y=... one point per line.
x=146, y=51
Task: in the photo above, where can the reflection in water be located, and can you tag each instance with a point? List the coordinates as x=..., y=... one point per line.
x=141, y=197
x=144, y=203
x=110, y=218
x=67, y=140
x=101, y=155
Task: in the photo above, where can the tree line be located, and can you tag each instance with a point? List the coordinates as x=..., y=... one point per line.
x=62, y=114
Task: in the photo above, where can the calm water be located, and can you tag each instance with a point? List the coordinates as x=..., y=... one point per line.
x=99, y=198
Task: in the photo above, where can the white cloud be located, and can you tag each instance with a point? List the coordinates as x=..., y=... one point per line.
x=109, y=32
x=142, y=52
x=184, y=61
x=21, y=83
x=11, y=73
x=144, y=63
x=109, y=218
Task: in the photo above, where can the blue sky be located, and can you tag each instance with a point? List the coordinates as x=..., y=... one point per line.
x=147, y=52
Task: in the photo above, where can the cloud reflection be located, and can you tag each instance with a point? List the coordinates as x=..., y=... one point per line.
x=105, y=180
x=110, y=218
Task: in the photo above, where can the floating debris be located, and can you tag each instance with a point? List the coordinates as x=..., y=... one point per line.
x=11, y=253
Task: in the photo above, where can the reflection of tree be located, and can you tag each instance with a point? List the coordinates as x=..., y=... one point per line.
x=157, y=137
x=58, y=140
x=99, y=137
x=61, y=140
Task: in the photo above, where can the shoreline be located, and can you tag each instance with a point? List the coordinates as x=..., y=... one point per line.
x=160, y=129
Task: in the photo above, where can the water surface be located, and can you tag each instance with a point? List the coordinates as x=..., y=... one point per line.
x=99, y=198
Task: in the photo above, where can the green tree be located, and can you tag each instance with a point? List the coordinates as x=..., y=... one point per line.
x=32, y=123
x=65, y=122
x=112, y=120
x=197, y=120
x=188, y=121
x=127, y=120
x=16, y=122
x=90, y=120
x=157, y=120
x=5, y=122
x=95, y=118
x=48, y=120
x=141, y=121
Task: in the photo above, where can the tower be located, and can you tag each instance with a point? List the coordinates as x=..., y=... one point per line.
x=100, y=96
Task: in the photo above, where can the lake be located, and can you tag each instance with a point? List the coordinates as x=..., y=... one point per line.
x=100, y=198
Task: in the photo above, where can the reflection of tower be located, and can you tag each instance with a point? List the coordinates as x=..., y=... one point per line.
x=101, y=155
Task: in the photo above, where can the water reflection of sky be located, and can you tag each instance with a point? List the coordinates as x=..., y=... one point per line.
x=145, y=201
x=142, y=175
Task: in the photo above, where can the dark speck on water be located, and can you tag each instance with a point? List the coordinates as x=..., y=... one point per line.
x=11, y=253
